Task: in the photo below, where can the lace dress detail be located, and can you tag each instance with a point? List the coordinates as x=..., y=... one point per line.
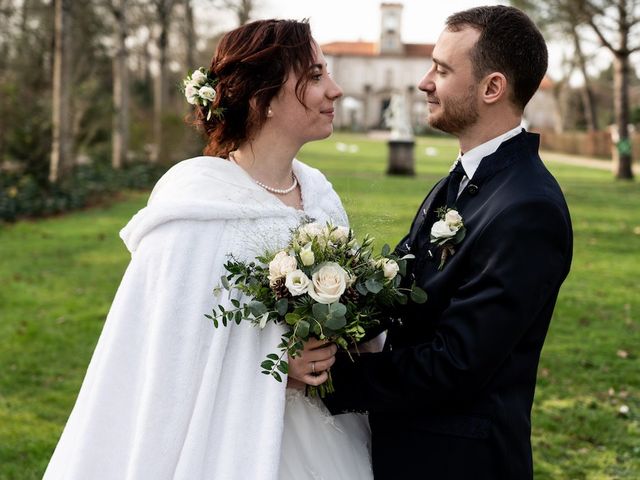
x=319, y=446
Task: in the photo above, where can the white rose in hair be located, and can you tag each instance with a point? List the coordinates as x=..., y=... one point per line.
x=281, y=264
x=441, y=230
x=453, y=219
x=328, y=283
x=191, y=92
x=390, y=269
x=198, y=77
x=297, y=283
x=207, y=93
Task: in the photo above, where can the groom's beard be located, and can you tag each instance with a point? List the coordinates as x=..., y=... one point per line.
x=457, y=113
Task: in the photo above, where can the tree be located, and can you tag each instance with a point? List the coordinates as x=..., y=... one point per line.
x=615, y=23
x=61, y=161
x=242, y=9
x=562, y=18
x=120, y=132
x=163, y=10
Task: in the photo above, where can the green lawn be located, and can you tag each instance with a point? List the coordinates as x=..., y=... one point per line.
x=58, y=277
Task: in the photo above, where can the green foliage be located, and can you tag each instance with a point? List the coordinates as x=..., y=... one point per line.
x=23, y=196
x=342, y=318
x=59, y=275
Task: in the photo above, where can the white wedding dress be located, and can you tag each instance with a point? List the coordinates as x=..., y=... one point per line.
x=169, y=397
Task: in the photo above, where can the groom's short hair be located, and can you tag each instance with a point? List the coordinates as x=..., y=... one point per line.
x=509, y=43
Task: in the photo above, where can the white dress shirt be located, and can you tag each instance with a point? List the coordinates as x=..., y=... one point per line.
x=471, y=160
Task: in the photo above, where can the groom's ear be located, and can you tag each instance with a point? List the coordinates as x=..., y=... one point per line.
x=494, y=88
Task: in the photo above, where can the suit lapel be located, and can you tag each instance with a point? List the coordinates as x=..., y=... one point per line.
x=426, y=215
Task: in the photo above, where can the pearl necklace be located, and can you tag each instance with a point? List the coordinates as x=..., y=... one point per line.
x=277, y=191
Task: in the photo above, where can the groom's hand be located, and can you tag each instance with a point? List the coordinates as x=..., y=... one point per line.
x=311, y=365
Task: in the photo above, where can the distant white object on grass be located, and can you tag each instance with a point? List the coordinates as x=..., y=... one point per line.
x=431, y=151
x=343, y=147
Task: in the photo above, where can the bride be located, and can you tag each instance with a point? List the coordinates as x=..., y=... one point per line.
x=166, y=395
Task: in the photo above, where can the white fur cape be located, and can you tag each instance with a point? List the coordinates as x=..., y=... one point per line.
x=166, y=395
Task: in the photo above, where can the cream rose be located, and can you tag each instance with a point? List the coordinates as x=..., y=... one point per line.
x=339, y=235
x=207, y=93
x=198, y=77
x=310, y=231
x=453, y=219
x=191, y=92
x=307, y=256
x=328, y=283
x=390, y=269
x=281, y=264
x=441, y=230
x=297, y=283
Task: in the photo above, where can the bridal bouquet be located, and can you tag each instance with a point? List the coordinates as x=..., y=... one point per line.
x=324, y=284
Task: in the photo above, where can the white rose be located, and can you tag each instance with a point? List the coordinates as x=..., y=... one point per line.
x=307, y=256
x=207, y=93
x=309, y=231
x=281, y=264
x=390, y=269
x=328, y=283
x=191, y=92
x=339, y=235
x=453, y=219
x=198, y=77
x=297, y=283
x=442, y=230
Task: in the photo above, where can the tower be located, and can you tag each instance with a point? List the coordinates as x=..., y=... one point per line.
x=390, y=29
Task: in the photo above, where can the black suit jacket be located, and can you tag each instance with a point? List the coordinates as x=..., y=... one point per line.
x=450, y=396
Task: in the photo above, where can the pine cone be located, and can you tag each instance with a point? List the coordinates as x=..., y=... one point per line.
x=280, y=289
x=351, y=295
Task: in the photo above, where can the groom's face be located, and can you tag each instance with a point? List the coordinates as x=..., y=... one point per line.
x=450, y=84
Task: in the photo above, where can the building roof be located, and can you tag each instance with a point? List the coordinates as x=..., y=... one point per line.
x=371, y=49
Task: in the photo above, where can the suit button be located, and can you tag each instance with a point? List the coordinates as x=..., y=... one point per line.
x=472, y=189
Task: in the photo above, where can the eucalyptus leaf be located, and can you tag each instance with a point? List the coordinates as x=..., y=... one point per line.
x=267, y=364
x=273, y=356
x=336, y=323
x=362, y=289
x=386, y=249
x=283, y=367
x=418, y=295
x=225, y=282
x=282, y=306
x=337, y=309
x=257, y=308
x=303, y=329
x=373, y=285
x=291, y=318
x=277, y=376
x=320, y=311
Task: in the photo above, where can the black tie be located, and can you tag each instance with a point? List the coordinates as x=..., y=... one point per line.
x=455, y=177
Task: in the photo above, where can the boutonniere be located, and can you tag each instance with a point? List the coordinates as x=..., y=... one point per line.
x=447, y=232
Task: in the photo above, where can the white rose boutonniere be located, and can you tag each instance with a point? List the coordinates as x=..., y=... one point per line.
x=447, y=232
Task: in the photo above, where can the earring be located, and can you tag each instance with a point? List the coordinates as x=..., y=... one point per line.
x=269, y=112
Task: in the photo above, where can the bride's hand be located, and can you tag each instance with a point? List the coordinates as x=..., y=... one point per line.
x=311, y=365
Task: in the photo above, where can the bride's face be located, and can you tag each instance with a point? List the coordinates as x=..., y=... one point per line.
x=316, y=120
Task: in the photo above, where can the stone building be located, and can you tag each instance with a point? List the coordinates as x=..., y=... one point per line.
x=371, y=72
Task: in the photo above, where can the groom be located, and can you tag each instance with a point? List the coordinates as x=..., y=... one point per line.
x=450, y=395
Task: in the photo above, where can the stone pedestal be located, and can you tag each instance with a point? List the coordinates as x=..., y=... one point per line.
x=401, y=158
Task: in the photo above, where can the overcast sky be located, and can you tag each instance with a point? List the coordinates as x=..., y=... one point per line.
x=351, y=20
x=331, y=20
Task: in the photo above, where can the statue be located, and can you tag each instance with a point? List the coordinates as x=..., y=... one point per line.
x=401, y=143
x=396, y=117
